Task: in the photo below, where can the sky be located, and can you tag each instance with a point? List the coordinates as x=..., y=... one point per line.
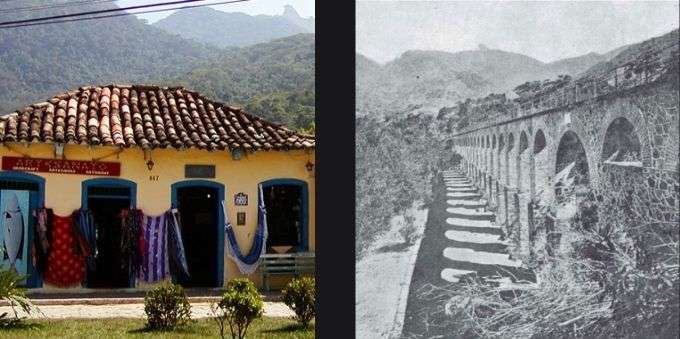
x=253, y=7
x=547, y=31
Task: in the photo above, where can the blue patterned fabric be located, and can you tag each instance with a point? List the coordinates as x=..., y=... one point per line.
x=178, y=260
x=248, y=264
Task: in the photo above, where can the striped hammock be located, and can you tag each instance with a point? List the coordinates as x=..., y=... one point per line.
x=248, y=264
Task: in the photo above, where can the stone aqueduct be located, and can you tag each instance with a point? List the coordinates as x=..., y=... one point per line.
x=595, y=124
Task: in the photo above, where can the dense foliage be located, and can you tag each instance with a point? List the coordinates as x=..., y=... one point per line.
x=396, y=160
x=166, y=307
x=241, y=304
x=40, y=61
x=300, y=296
x=278, y=75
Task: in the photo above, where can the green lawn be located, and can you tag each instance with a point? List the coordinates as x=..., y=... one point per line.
x=134, y=328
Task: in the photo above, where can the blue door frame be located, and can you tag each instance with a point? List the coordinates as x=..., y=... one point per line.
x=109, y=182
x=219, y=279
x=37, y=199
x=304, y=245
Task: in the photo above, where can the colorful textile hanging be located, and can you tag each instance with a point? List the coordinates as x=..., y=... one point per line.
x=41, y=248
x=248, y=264
x=178, y=263
x=65, y=267
x=86, y=233
x=155, y=265
x=130, y=252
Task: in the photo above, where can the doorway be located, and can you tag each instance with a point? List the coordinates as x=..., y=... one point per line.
x=106, y=199
x=286, y=203
x=199, y=210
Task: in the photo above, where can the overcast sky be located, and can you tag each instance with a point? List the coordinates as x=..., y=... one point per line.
x=253, y=7
x=547, y=31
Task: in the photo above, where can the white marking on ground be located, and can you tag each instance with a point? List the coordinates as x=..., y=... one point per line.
x=453, y=275
x=462, y=195
x=470, y=223
x=461, y=189
x=468, y=211
x=472, y=203
x=474, y=237
x=479, y=257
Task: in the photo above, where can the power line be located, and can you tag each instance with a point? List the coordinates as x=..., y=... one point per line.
x=112, y=10
x=50, y=6
x=119, y=14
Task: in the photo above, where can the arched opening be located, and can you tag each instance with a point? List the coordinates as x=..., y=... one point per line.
x=493, y=142
x=523, y=142
x=571, y=165
x=106, y=198
x=501, y=143
x=539, y=142
x=286, y=202
x=202, y=228
x=621, y=143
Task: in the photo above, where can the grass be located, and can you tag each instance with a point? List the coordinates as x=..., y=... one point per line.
x=135, y=328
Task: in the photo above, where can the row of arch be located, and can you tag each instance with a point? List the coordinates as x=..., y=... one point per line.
x=515, y=168
x=483, y=141
x=621, y=143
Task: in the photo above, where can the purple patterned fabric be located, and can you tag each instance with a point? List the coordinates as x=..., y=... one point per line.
x=155, y=263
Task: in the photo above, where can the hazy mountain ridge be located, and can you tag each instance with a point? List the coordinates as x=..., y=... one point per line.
x=234, y=29
x=427, y=81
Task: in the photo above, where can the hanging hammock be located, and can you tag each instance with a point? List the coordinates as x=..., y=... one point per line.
x=248, y=264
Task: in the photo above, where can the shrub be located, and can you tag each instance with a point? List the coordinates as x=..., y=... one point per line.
x=166, y=307
x=300, y=296
x=15, y=295
x=240, y=305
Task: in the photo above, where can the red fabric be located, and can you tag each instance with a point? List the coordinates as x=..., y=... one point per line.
x=65, y=267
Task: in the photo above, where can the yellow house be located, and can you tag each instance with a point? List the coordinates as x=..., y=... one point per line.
x=153, y=148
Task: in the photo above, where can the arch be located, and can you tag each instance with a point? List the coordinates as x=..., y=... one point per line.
x=219, y=279
x=570, y=150
x=304, y=230
x=621, y=142
x=523, y=143
x=539, y=142
x=501, y=143
x=37, y=199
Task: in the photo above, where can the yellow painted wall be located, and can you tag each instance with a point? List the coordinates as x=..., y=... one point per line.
x=63, y=191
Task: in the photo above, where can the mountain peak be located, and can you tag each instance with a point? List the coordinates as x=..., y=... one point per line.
x=290, y=12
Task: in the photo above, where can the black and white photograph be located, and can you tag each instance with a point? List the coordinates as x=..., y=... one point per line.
x=517, y=169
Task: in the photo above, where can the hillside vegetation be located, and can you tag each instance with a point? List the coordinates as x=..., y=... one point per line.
x=274, y=80
x=40, y=61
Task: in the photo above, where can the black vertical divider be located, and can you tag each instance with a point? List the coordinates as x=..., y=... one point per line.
x=335, y=224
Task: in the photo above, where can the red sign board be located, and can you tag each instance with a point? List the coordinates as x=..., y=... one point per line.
x=61, y=166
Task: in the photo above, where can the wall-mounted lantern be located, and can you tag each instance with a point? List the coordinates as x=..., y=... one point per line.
x=147, y=157
x=309, y=166
x=236, y=154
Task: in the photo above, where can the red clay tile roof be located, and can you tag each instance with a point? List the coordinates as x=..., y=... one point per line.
x=146, y=116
